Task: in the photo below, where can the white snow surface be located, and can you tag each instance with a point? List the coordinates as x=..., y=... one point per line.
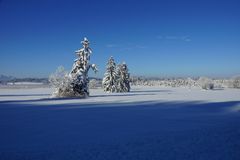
x=148, y=123
x=138, y=94
x=25, y=83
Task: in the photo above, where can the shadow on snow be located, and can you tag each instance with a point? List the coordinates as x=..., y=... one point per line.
x=145, y=130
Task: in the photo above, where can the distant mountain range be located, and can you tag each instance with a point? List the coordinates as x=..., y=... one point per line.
x=4, y=78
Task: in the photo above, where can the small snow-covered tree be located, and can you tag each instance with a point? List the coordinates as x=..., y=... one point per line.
x=206, y=83
x=124, y=78
x=234, y=82
x=109, y=82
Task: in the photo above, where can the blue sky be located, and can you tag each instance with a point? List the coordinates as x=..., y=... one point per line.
x=155, y=38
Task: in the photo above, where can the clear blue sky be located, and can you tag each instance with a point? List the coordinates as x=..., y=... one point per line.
x=155, y=38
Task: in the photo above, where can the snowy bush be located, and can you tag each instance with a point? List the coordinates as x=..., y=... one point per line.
x=206, y=83
x=93, y=83
x=234, y=82
x=61, y=82
x=57, y=78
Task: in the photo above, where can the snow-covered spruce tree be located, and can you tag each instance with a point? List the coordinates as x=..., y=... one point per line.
x=123, y=82
x=109, y=82
x=76, y=83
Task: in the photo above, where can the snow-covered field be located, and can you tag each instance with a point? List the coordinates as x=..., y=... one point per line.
x=147, y=123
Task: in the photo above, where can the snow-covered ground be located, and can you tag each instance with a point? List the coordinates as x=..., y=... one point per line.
x=138, y=94
x=146, y=123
